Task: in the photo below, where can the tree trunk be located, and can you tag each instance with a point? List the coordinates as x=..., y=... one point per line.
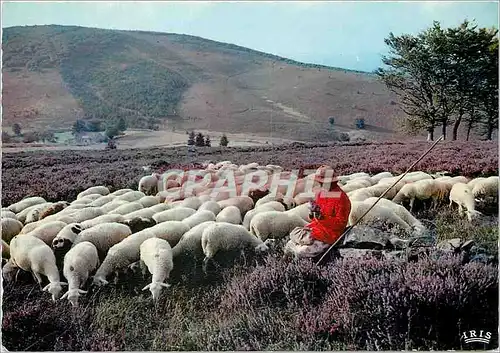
x=469, y=128
x=489, y=136
x=430, y=134
x=444, y=126
x=455, y=127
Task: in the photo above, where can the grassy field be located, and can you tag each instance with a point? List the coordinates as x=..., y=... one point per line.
x=264, y=303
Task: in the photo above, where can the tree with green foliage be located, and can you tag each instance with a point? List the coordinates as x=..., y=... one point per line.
x=223, y=141
x=121, y=125
x=191, y=139
x=331, y=120
x=112, y=131
x=443, y=76
x=199, y=141
x=94, y=125
x=208, y=143
x=78, y=127
x=16, y=129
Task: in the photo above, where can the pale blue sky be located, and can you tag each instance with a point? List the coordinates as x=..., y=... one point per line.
x=342, y=34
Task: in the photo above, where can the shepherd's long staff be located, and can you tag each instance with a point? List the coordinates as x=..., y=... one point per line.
x=347, y=231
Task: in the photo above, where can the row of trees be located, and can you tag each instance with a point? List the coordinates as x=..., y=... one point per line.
x=445, y=77
x=198, y=140
x=111, y=129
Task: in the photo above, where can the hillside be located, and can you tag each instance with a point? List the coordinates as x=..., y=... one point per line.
x=55, y=74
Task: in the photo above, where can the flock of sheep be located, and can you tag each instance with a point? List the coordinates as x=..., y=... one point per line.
x=102, y=233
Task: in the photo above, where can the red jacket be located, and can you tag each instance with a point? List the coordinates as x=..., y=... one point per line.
x=334, y=209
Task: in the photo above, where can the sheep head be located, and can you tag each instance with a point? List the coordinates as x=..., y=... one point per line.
x=99, y=281
x=261, y=248
x=155, y=288
x=73, y=295
x=55, y=289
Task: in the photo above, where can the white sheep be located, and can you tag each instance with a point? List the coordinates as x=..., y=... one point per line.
x=121, y=255
x=377, y=177
x=171, y=231
x=101, y=201
x=227, y=236
x=473, y=182
x=120, y=192
x=148, y=184
x=230, y=214
x=102, y=190
x=400, y=211
x=79, y=262
x=66, y=236
x=81, y=215
x=109, y=207
x=462, y=195
x=212, y=206
x=268, y=206
x=355, y=185
x=301, y=210
x=8, y=214
x=33, y=255
x=104, y=236
x=131, y=196
x=174, y=214
x=487, y=188
x=105, y=218
x=128, y=208
x=244, y=203
x=25, y=203
x=160, y=207
x=149, y=200
x=47, y=232
x=377, y=213
x=190, y=242
x=52, y=209
x=87, y=199
x=5, y=250
x=145, y=213
x=21, y=216
x=10, y=228
x=191, y=202
x=422, y=190
x=198, y=217
x=156, y=254
x=274, y=224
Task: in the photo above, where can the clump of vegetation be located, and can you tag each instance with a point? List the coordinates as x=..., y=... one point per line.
x=223, y=141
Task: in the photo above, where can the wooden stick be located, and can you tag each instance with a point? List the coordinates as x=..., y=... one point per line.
x=348, y=230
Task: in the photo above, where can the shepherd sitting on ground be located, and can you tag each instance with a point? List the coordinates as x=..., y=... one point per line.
x=329, y=213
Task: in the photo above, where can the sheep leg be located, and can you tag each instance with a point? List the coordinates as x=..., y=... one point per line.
x=37, y=278
x=144, y=269
x=205, y=263
x=412, y=202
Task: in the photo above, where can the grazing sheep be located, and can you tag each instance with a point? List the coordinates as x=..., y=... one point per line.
x=25, y=203
x=230, y=214
x=149, y=184
x=268, y=206
x=171, y=231
x=131, y=196
x=128, y=208
x=81, y=215
x=66, y=236
x=473, y=182
x=198, y=217
x=175, y=214
x=111, y=206
x=5, y=250
x=33, y=255
x=145, y=213
x=212, y=206
x=287, y=202
x=160, y=207
x=101, y=190
x=355, y=185
x=149, y=200
x=121, y=255
x=462, y=195
x=244, y=203
x=10, y=228
x=8, y=214
x=227, y=236
x=377, y=177
x=301, y=210
x=274, y=224
x=79, y=262
x=87, y=199
x=48, y=231
x=104, y=236
x=21, y=216
x=53, y=209
x=101, y=201
x=400, y=211
x=105, y=218
x=377, y=213
x=421, y=190
x=190, y=243
x=191, y=202
x=136, y=224
x=120, y=192
x=156, y=254
x=486, y=188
